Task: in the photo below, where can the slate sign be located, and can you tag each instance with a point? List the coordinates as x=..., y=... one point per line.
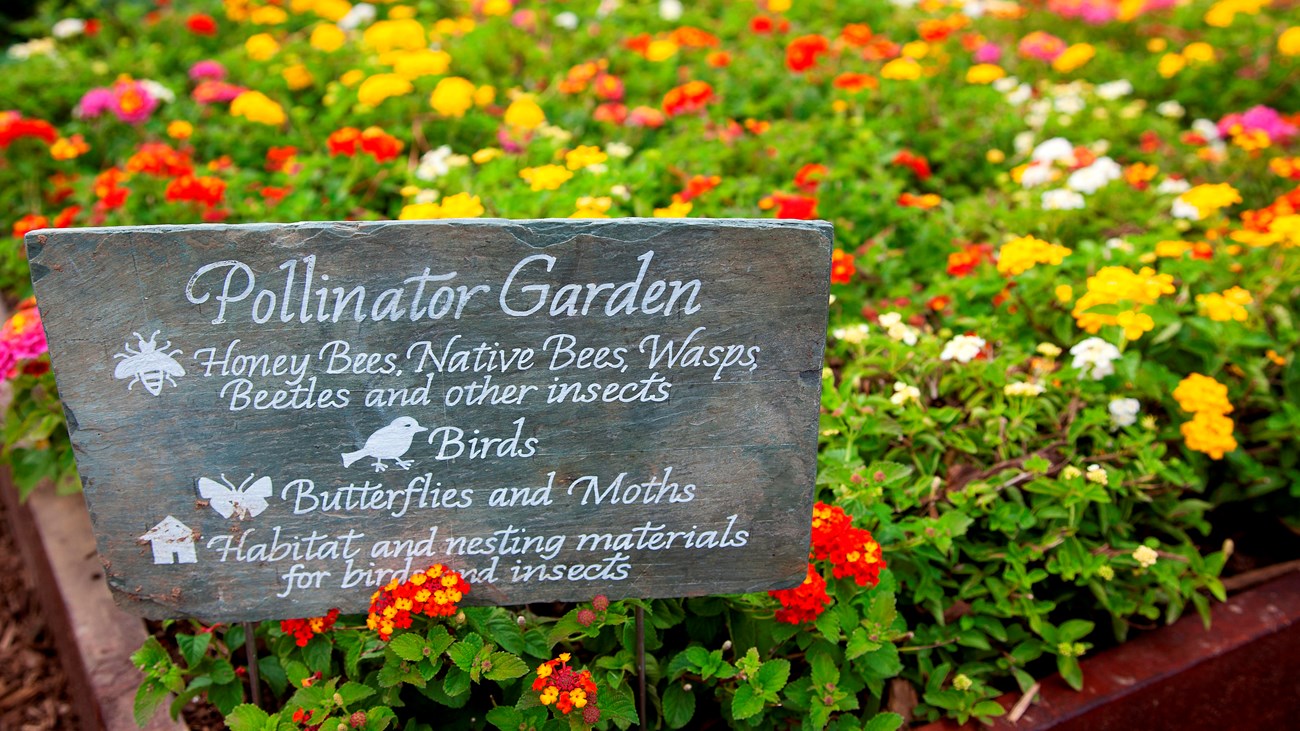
x=273, y=420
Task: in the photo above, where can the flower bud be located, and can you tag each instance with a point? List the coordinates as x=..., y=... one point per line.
x=600, y=603
x=358, y=719
x=726, y=645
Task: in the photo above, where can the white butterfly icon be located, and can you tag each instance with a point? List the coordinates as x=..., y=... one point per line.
x=243, y=502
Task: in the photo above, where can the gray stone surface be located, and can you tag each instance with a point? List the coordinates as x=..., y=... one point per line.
x=543, y=440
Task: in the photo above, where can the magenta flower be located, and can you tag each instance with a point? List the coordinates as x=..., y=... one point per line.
x=988, y=53
x=128, y=100
x=1042, y=46
x=94, y=103
x=1258, y=119
x=208, y=69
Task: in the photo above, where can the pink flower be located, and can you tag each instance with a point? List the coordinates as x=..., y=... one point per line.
x=1258, y=119
x=988, y=53
x=216, y=92
x=208, y=69
x=94, y=103
x=21, y=338
x=130, y=101
x=1042, y=46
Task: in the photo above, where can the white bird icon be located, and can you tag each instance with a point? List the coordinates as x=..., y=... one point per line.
x=389, y=442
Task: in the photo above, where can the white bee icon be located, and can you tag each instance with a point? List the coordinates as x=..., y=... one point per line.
x=149, y=365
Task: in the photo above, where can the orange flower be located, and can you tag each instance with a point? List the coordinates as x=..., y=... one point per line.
x=803, y=603
x=302, y=630
x=842, y=267
x=692, y=96
x=30, y=222
x=855, y=82
x=801, y=55
x=385, y=616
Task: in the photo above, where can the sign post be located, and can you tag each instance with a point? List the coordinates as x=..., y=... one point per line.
x=274, y=420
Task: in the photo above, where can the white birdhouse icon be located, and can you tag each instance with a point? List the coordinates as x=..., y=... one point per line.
x=172, y=542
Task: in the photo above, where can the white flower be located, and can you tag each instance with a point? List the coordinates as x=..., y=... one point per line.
x=618, y=149
x=1146, y=556
x=962, y=348
x=1020, y=95
x=1061, y=199
x=1053, y=150
x=34, y=47
x=1070, y=472
x=1183, y=209
x=670, y=10
x=1171, y=109
x=1124, y=411
x=1094, y=357
x=1071, y=104
x=896, y=329
x=1036, y=174
x=1089, y=179
x=434, y=164
x=1005, y=84
x=427, y=195
x=1022, y=388
x=1173, y=186
x=360, y=14
x=621, y=192
x=158, y=91
x=68, y=27
x=567, y=20
x=851, y=334
x=1115, y=89
x=1207, y=129
x=1023, y=142
x=904, y=393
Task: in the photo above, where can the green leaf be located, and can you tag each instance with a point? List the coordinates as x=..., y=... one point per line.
x=150, y=695
x=505, y=666
x=747, y=702
x=273, y=673
x=988, y=709
x=679, y=705
x=884, y=722
x=1070, y=670
x=317, y=654
x=773, y=676
x=506, y=718
x=439, y=640
x=456, y=682
x=351, y=692
x=222, y=672
x=859, y=644
x=227, y=696
x=462, y=653
x=150, y=654
x=246, y=717
x=193, y=647
x=824, y=670
x=408, y=646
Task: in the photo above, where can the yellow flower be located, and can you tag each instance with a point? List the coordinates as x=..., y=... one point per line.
x=414, y=64
x=257, y=107
x=395, y=35
x=497, y=7
x=915, y=49
x=485, y=155
x=677, y=209
x=1074, y=57
x=268, y=15
x=549, y=695
x=1288, y=44
x=778, y=6
x=485, y=95
x=1199, y=52
x=1172, y=249
x=328, y=37
x=379, y=87
x=297, y=77
x=545, y=177
x=994, y=156
x=179, y=129
x=352, y=78
x=65, y=148
x=901, y=69
x=1170, y=64
x=461, y=205
x=523, y=113
x=1202, y=394
x=584, y=156
x=398, y=12
x=332, y=10
x=1134, y=323
x=590, y=207
x=452, y=97
x=1156, y=45
x=660, y=50
x=1209, y=198
x=1064, y=293
x=1226, y=306
x=261, y=47
x=1021, y=254
x=984, y=73
x=1209, y=433
x=578, y=697
x=1113, y=285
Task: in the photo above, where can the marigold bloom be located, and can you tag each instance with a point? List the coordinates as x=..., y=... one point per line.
x=206, y=190
x=1074, y=57
x=802, y=207
x=679, y=208
x=901, y=69
x=693, y=96
x=452, y=97
x=179, y=129
x=802, y=52
x=1200, y=394
x=343, y=141
x=402, y=34
x=415, y=64
x=328, y=37
x=984, y=73
x=380, y=145
x=258, y=107
x=545, y=177
x=803, y=603
x=297, y=76
x=1021, y=254
x=261, y=47
x=699, y=185
x=593, y=207
x=584, y=156
x=524, y=114
x=30, y=222
x=854, y=82
x=160, y=159
x=1288, y=44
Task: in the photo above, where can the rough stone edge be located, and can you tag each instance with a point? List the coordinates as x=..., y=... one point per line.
x=94, y=637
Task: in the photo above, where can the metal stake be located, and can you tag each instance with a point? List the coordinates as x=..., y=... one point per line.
x=250, y=649
x=640, y=666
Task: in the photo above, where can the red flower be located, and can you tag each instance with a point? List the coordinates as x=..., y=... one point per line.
x=699, y=185
x=962, y=263
x=842, y=267
x=206, y=189
x=855, y=82
x=159, y=158
x=919, y=165
x=380, y=145
x=856, y=34
x=803, y=603
x=30, y=222
x=568, y=689
x=343, y=141
x=281, y=158
x=108, y=188
x=803, y=51
x=693, y=96
x=435, y=592
x=852, y=551
x=201, y=24
x=810, y=176
x=13, y=127
x=66, y=217
x=302, y=630
x=794, y=206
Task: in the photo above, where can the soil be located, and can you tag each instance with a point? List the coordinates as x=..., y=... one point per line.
x=33, y=689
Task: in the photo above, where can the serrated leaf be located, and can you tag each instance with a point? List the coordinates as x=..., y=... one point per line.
x=148, y=697
x=351, y=692
x=408, y=646
x=317, y=654
x=246, y=717
x=747, y=702
x=773, y=676
x=439, y=640
x=884, y=722
x=456, y=682
x=678, y=705
x=859, y=644
x=506, y=718
x=505, y=666
x=222, y=672
x=273, y=673
x=193, y=647
x=463, y=653
x=150, y=653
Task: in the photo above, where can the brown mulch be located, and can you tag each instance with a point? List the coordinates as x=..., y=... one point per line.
x=33, y=689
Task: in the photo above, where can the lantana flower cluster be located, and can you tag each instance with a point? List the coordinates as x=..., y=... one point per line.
x=852, y=552
x=1210, y=430
x=302, y=630
x=435, y=592
x=567, y=689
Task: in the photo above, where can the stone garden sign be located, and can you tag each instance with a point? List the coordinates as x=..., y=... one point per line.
x=273, y=420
